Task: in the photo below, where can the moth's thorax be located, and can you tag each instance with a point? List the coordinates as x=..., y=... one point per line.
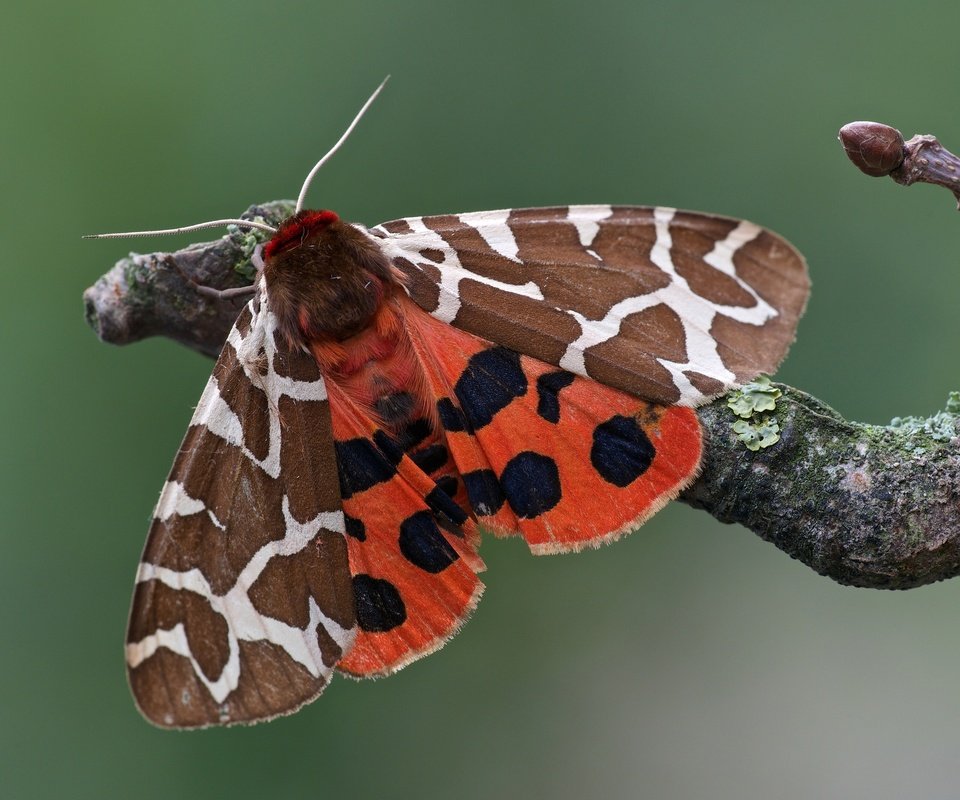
x=325, y=278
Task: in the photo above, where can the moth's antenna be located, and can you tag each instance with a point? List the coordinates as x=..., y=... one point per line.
x=247, y=223
x=346, y=133
x=215, y=223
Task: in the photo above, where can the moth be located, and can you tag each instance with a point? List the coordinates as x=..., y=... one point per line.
x=389, y=392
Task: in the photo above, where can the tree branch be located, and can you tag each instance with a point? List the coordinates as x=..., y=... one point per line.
x=864, y=505
x=155, y=294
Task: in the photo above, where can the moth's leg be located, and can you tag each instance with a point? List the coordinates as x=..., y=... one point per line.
x=256, y=258
x=221, y=294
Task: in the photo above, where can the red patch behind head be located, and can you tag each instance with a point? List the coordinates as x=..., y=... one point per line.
x=296, y=229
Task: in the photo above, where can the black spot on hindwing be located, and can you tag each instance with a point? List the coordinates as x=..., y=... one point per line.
x=430, y=458
x=379, y=605
x=531, y=484
x=448, y=483
x=548, y=389
x=483, y=491
x=360, y=466
x=489, y=383
x=388, y=447
x=621, y=451
x=440, y=501
x=452, y=417
x=423, y=545
x=355, y=528
x=413, y=433
x=395, y=407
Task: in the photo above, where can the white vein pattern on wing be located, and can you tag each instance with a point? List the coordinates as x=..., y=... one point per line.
x=244, y=622
x=174, y=501
x=493, y=229
x=411, y=246
x=721, y=258
x=696, y=314
x=587, y=219
x=255, y=349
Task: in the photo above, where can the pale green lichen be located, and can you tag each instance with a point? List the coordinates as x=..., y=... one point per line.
x=247, y=240
x=953, y=403
x=757, y=396
x=941, y=427
x=132, y=272
x=753, y=402
x=757, y=434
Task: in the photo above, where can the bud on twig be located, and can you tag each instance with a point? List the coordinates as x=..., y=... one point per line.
x=878, y=150
x=873, y=147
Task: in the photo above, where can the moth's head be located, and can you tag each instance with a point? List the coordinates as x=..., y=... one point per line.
x=325, y=278
x=296, y=230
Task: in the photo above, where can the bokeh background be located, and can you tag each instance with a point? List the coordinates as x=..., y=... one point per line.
x=691, y=660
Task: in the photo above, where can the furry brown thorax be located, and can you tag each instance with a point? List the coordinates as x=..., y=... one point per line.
x=325, y=279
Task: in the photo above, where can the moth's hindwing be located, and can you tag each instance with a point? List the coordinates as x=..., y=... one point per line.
x=671, y=306
x=243, y=601
x=412, y=549
x=560, y=460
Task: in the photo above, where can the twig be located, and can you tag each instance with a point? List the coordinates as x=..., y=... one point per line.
x=156, y=294
x=865, y=505
x=877, y=150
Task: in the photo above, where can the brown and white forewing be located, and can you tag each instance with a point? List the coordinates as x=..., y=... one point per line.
x=673, y=306
x=243, y=601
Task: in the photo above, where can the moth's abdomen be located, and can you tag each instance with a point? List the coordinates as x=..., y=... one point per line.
x=410, y=543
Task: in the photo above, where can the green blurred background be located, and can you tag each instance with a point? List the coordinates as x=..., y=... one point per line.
x=690, y=661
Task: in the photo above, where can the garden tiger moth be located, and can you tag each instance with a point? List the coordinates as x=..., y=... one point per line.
x=389, y=392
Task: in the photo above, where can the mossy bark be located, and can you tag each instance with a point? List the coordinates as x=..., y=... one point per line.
x=152, y=295
x=863, y=504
